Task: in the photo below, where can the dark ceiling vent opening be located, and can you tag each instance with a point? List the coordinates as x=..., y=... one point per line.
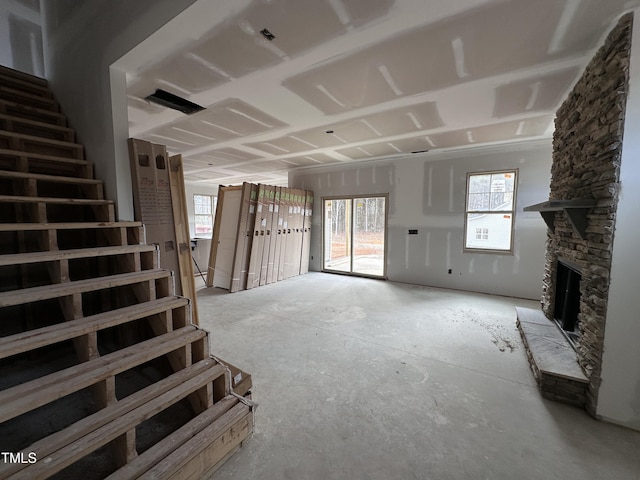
x=420, y=151
x=169, y=100
x=267, y=34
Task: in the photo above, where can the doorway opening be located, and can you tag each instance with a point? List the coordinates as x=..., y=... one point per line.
x=355, y=232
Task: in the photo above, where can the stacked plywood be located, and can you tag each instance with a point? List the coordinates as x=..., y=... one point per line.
x=261, y=236
x=102, y=372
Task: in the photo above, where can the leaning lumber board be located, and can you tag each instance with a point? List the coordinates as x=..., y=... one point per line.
x=160, y=399
x=32, y=339
x=36, y=393
x=181, y=225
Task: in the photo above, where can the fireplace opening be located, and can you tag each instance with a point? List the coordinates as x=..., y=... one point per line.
x=567, y=304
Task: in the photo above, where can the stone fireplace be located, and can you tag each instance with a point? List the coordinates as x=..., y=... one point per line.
x=581, y=211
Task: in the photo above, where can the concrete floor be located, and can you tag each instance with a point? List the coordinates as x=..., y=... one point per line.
x=366, y=379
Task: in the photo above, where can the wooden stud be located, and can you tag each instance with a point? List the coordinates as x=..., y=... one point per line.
x=104, y=392
x=124, y=447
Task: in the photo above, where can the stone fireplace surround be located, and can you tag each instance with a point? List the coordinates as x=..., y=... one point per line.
x=587, y=151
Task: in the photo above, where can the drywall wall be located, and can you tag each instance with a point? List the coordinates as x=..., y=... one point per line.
x=82, y=40
x=427, y=193
x=21, y=36
x=192, y=189
x=619, y=394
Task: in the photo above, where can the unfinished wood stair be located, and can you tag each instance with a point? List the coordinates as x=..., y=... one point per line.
x=102, y=373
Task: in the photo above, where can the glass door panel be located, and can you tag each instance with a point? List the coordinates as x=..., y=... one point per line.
x=354, y=235
x=368, y=236
x=337, y=235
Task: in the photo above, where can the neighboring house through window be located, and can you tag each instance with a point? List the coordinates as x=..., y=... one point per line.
x=489, y=214
x=204, y=208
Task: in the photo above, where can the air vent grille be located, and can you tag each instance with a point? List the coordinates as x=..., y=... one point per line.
x=169, y=100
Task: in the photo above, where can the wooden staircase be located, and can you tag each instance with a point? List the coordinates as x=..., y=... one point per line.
x=102, y=373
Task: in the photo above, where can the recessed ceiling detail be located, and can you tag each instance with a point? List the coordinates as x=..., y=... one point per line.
x=223, y=121
x=397, y=121
x=533, y=127
x=533, y=94
x=467, y=47
x=342, y=81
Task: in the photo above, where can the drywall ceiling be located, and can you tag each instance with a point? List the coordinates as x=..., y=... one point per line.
x=345, y=81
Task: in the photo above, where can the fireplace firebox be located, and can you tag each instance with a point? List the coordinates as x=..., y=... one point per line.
x=567, y=301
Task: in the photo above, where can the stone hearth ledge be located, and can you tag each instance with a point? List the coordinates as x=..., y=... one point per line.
x=552, y=359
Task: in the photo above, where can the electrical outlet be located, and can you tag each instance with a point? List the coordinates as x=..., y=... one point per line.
x=449, y=271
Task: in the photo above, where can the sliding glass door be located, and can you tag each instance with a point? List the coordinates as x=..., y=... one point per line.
x=355, y=230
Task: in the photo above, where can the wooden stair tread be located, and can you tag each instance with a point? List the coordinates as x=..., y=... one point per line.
x=54, y=442
x=236, y=425
x=13, y=227
x=49, y=178
x=64, y=201
x=53, y=255
x=37, y=139
x=10, y=72
x=33, y=394
x=56, y=290
x=35, y=123
x=222, y=414
x=40, y=158
x=48, y=103
x=32, y=339
x=119, y=426
x=57, y=118
x=25, y=85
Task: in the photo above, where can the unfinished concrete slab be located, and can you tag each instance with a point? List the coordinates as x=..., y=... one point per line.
x=360, y=378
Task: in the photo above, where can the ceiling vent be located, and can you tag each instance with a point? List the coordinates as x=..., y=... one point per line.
x=267, y=34
x=169, y=100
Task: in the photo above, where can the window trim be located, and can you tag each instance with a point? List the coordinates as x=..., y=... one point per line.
x=213, y=201
x=511, y=212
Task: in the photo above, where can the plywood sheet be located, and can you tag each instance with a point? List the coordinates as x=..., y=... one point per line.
x=152, y=201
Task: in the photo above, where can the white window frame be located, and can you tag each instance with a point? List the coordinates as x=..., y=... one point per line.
x=212, y=203
x=482, y=231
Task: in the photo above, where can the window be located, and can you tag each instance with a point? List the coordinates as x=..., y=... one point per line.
x=204, y=206
x=491, y=199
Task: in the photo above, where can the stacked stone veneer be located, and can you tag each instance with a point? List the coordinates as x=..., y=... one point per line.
x=587, y=149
